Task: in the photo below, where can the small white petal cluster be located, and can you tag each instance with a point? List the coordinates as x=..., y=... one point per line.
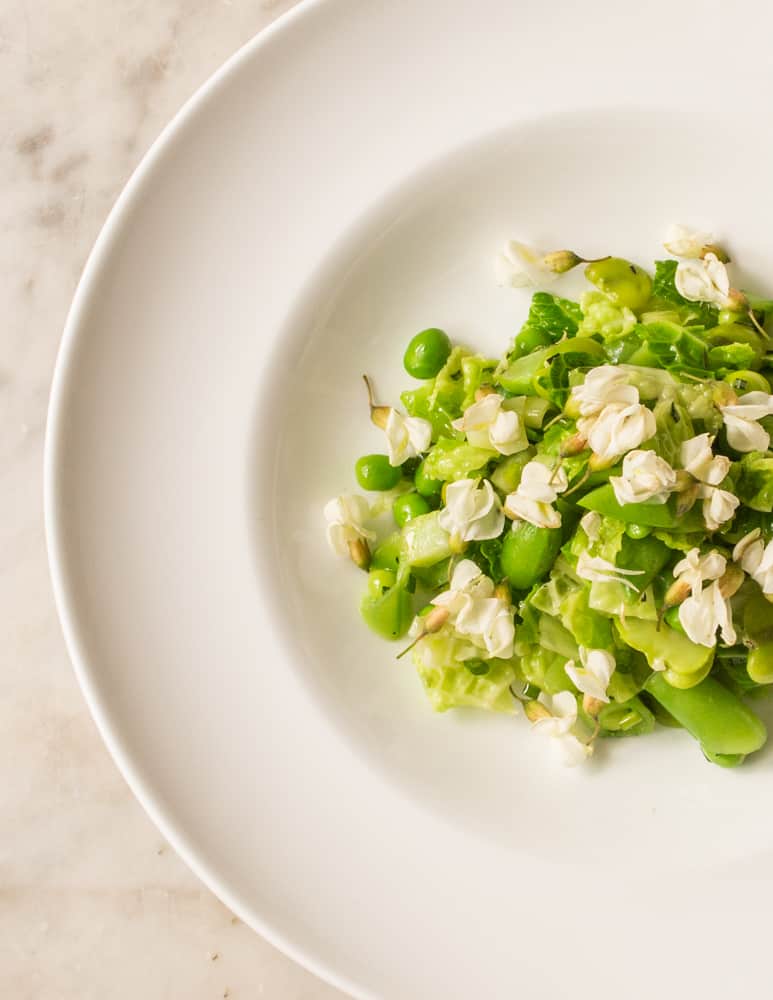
x=611, y=417
x=475, y=614
x=744, y=433
x=407, y=437
x=709, y=469
x=487, y=424
x=520, y=266
x=705, y=611
x=346, y=518
x=756, y=558
x=645, y=476
x=472, y=512
x=536, y=493
x=704, y=280
x=598, y=570
x=558, y=725
x=684, y=242
x=592, y=678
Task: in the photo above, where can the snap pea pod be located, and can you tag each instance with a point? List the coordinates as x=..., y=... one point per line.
x=663, y=515
x=710, y=712
x=528, y=552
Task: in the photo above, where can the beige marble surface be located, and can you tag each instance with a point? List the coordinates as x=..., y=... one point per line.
x=92, y=902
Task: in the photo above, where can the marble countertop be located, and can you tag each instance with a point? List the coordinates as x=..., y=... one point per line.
x=93, y=904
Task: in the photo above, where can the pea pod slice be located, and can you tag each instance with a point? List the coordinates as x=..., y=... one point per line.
x=519, y=377
x=710, y=712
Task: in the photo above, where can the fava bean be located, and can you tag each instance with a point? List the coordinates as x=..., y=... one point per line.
x=746, y=381
x=625, y=283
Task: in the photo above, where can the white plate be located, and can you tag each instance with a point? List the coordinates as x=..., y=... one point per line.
x=341, y=183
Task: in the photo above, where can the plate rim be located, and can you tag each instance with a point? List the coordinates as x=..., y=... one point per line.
x=64, y=602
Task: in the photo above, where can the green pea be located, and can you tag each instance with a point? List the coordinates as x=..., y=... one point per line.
x=477, y=667
x=710, y=712
x=746, y=381
x=528, y=552
x=637, y=530
x=408, y=506
x=426, y=487
x=626, y=284
x=427, y=353
x=374, y=473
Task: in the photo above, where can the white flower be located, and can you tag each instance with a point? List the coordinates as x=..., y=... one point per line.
x=519, y=265
x=683, y=242
x=346, y=516
x=695, y=569
x=602, y=386
x=704, y=280
x=709, y=469
x=743, y=431
x=475, y=614
x=719, y=505
x=645, y=476
x=599, y=570
x=536, y=492
x=698, y=459
x=756, y=559
x=617, y=429
x=472, y=512
x=591, y=525
x=558, y=725
x=406, y=437
x=487, y=425
x=593, y=676
x=705, y=612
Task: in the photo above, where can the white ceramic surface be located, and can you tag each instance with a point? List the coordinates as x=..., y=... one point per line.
x=93, y=902
x=207, y=401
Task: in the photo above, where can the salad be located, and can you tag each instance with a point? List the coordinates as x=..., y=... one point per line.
x=581, y=531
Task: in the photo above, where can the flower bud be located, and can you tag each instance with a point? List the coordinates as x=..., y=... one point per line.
x=483, y=391
x=435, y=620
x=678, y=592
x=561, y=261
x=722, y=256
x=592, y=705
x=535, y=711
x=503, y=593
x=573, y=445
x=378, y=414
x=731, y=580
x=686, y=499
x=736, y=301
x=359, y=552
